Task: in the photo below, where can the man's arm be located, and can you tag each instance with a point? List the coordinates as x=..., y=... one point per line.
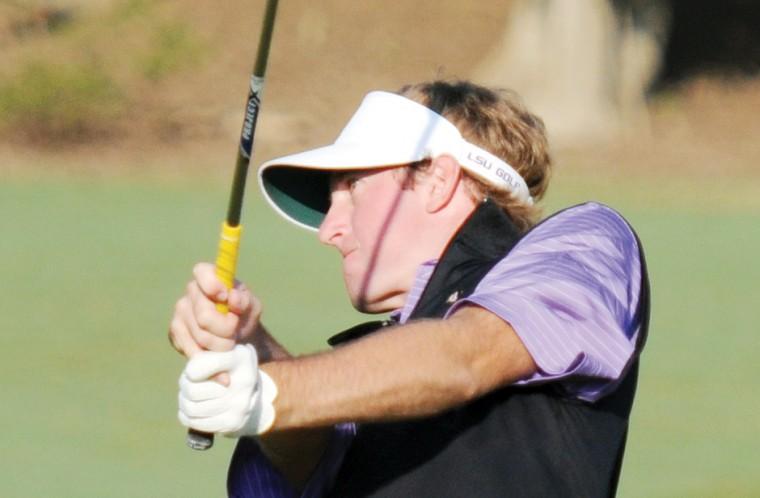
x=407, y=371
x=267, y=347
x=412, y=370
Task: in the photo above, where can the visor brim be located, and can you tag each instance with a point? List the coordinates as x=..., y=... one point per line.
x=298, y=186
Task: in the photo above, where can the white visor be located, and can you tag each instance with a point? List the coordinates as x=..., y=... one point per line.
x=386, y=130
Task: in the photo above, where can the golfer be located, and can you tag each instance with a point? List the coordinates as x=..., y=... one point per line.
x=508, y=364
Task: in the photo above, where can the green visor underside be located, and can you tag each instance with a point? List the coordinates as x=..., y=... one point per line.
x=302, y=194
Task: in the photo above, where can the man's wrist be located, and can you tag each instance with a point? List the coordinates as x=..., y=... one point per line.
x=266, y=346
x=263, y=414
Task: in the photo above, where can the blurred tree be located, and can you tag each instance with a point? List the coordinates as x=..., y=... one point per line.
x=587, y=66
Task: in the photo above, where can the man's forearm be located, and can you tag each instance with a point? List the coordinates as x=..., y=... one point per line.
x=405, y=372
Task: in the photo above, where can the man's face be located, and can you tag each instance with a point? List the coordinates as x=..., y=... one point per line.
x=375, y=221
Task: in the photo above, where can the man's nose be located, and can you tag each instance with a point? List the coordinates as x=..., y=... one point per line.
x=333, y=227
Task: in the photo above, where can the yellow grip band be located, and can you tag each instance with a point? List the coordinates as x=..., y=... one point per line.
x=226, y=258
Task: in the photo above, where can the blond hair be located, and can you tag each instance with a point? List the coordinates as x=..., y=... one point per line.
x=497, y=121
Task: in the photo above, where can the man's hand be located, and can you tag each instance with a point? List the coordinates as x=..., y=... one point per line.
x=243, y=408
x=197, y=325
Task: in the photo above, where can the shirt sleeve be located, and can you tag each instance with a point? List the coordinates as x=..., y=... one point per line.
x=570, y=289
x=251, y=474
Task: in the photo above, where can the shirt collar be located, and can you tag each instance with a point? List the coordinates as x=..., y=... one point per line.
x=421, y=278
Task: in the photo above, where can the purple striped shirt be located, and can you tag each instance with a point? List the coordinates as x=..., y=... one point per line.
x=569, y=289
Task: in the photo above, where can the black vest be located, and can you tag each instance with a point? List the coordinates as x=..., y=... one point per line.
x=522, y=442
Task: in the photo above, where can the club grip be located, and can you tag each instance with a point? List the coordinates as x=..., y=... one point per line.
x=226, y=264
x=226, y=258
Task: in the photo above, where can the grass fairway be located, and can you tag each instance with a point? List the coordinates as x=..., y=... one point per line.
x=91, y=269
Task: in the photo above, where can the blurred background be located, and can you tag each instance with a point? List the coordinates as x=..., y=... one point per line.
x=119, y=122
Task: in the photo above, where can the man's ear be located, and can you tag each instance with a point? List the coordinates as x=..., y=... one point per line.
x=444, y=175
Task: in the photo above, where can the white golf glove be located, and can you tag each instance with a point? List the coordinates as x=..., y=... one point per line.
x=244, y=408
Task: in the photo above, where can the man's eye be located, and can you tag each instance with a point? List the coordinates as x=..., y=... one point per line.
x=351, y=182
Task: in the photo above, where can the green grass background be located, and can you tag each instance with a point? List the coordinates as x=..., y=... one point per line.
x=91, y=267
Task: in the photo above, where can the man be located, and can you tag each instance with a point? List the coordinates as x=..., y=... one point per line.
x=508, y=366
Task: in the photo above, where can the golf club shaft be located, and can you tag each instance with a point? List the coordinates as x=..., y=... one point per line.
x=229, y=241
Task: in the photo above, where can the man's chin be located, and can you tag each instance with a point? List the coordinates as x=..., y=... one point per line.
x=367, y=297
x=363, y=305
x=366, y=303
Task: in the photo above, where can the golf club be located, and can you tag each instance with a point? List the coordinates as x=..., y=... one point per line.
x=229, y=241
